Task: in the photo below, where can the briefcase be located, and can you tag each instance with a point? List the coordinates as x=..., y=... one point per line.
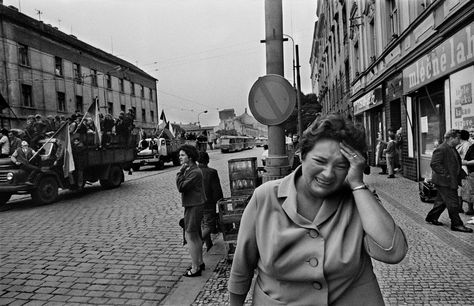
x=427, y=191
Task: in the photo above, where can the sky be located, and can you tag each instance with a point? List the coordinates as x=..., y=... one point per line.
x=206, y=54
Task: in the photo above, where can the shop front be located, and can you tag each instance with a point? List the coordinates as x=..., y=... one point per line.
x=369, y=111
x=438, y=94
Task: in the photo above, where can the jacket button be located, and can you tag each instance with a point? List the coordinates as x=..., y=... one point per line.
x=313, y=262
x=313, y=233
x=317, y=285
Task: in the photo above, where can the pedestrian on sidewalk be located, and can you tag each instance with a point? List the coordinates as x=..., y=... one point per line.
x=462, y=148
x=380, y=160
x=468, y=195
x=190, y=184
x=311, y=235
x=447, y=176
x=213, y=191
x=390, y=155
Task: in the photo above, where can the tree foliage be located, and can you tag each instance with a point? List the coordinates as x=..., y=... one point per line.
x=310, y=107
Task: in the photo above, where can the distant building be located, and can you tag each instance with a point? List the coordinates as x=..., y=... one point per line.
x=243, y=124
x=45, y=71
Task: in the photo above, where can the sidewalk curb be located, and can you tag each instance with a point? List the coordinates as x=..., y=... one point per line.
x=187, y=289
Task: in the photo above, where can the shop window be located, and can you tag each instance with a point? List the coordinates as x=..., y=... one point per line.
x=23, y=55
x=26, y=95
x=61, y=99
x=58, y=66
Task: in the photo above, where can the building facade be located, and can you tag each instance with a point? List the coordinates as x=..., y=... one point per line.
x=243, y=124
x=411, y=68
x=45, y=71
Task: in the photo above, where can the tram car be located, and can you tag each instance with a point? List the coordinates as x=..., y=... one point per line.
x=236, y=143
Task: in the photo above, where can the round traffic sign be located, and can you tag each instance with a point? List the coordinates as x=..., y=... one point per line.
x=272, y=99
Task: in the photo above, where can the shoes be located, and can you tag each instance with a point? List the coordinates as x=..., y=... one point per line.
x=391, y=176
x=470, y=212
x=434, y=222
x=461, y=228
x=201, y=267
x=189, y=272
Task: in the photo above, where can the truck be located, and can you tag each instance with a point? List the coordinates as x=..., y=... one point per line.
x=157, y=152
x=105, y=165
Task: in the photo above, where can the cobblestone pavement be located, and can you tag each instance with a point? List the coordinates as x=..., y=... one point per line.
x=123, y=247
x=110, y=247
x=437, y=270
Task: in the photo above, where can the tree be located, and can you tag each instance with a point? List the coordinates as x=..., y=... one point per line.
x=310, y=107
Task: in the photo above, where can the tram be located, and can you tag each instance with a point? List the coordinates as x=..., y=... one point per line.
x=236, y=143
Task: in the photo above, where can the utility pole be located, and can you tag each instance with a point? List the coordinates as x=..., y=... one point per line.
x=277, y=165
x=298, y=94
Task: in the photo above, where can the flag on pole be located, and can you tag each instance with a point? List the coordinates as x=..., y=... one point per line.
x=93, y=111
x=65, y=145
x=171, y=129
x=162, y=116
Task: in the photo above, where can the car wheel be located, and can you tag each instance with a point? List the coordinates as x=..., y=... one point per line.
x=46, y=192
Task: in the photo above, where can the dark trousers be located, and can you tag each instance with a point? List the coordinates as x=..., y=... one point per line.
x=446, y=198
x=33, y=170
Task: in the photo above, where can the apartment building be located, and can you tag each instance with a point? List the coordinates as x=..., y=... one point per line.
x=46, y=71
x=410, y=67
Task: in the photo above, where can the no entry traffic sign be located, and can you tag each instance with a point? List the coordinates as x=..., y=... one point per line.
x=272, y=99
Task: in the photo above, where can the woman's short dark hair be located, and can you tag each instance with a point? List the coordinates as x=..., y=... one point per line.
x=335, y=127
x=464, y=135
x=190, y=151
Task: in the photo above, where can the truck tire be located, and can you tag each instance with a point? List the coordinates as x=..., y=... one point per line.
x=115, y=178
x=46, y=192
x=4, y=197
x=160, y=165
x=136, y=167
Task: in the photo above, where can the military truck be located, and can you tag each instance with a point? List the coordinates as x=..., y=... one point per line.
x=157, y=152
x=105, y=165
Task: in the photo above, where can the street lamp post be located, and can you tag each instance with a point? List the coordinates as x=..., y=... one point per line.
x=199, y=122
x=296, y=86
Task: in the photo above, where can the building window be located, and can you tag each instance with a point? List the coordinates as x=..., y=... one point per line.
x=61, y=97
x=372, y=40
x=134, y=109
x=77, y=73
x=142, y=91
x=23, y=53
x=94, y=77
x=110, y=108
x=152, y=116
x=79, y=104
x=122, y=87
x=132, y=88
x=122, y=108
x=58, y=66
x=151, y=94
x=143, y=115
x=394, y=18
x=26, y=95
x=108, y=80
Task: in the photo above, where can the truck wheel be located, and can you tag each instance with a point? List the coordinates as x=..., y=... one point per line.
x=4, y=197
x=46, y=192
x=160, y=165
x=115, y=178
x=136, y=167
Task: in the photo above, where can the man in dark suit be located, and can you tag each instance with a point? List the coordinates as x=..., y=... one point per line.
x=23, y=157
x=447, y=176
x=213, y=191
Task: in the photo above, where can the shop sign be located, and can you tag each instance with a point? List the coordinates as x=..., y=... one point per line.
x=453, y=53
x=369, y=100
x=462, y=96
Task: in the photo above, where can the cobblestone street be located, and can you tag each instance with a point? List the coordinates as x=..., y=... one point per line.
x=124, y=247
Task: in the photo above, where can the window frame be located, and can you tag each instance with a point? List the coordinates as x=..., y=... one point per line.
x=76, y=70
x=24, y=55
x=26, y=88
x=79, y=103
x=61, y=101
x=94, y=75
x=58, y=66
